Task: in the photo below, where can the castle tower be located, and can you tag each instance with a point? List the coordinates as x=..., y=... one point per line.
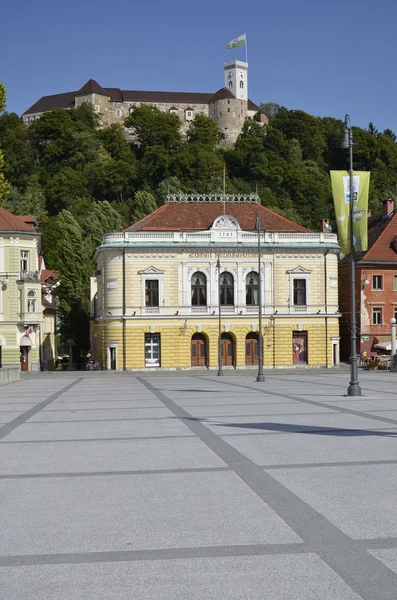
x=236, y=78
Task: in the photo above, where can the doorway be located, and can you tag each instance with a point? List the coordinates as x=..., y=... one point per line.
x=299, y=348
x=227, y=350
x=24, y=358
x=251, y=349
x=198, y=350
x=113, y=358
x=152, y=349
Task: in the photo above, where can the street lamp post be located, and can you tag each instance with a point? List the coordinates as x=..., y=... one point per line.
x=354, y=388
x=220, y=369
x=393, y=337
x=260, y=376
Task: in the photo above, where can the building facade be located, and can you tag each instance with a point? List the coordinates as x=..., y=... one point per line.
x=158, y=290
x=22, y=312
x=228, y=107
x=376, y=288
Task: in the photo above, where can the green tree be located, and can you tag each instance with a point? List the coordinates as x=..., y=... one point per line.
x=4, y=187
x=153, y=127
x=144, y=204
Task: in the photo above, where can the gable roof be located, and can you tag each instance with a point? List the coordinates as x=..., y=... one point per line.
x=222, y=94
x=199, y=217
x=92, y=87
x=10, y=222
x=381, y=232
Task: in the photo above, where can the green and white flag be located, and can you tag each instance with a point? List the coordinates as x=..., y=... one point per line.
x=240, y=41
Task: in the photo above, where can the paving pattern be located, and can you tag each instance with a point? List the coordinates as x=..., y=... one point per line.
x=192, y=487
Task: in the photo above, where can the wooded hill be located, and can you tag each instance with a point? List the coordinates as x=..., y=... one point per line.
x=81, y=180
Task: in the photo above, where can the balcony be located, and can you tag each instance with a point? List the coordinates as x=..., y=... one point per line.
x=29, y=276
x=30, y=318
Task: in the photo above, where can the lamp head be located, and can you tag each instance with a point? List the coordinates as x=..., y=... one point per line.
x=393, y=321
x=6, y=281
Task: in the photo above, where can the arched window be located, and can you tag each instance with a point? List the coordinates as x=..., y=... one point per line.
x=251, y=289
x=230, y=85
x=32, y=301
x=227, y=289
x=241, y=85
x=199, y=289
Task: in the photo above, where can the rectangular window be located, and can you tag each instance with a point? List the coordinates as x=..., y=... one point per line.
x=300, y=292
x=118, y=112
x=377, y=282
x=377, y=316
x=151, y=292
x=97, y=108
x=152, y=349
x=395, y=282
x=395, y=313
x=24, y=261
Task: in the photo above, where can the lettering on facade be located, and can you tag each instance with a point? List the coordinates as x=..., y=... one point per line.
x=222, y=255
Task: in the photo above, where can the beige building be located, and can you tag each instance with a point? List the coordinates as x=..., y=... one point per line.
x=158, y=290
x=228, y=107
x=27, y=315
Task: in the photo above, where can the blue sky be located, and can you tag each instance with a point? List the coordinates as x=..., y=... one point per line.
x=324, y=57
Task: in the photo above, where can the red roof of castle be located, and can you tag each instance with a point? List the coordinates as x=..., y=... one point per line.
x=10, y=222
x=199, y=217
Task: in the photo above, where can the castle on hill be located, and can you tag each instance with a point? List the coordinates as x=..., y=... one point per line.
x=228, y=107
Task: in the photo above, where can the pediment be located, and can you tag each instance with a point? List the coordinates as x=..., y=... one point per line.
x=225, y=222
x=151, y=271
x=299, y=271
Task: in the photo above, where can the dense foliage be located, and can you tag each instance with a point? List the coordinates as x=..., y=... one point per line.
x=81, y=180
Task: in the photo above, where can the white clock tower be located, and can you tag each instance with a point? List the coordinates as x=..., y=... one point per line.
x=236, y=78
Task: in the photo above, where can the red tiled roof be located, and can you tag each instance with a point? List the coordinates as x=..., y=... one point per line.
x=46, y=273
x=199, y=217
x=10, y=222
x=381, y=238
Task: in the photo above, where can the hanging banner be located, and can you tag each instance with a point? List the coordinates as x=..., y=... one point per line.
x=340, y=181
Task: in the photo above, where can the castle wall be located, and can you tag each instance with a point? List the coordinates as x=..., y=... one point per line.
x=230, y=115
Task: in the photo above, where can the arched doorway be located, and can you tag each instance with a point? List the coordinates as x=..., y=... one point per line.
x=198, y=350
x=251, y=348
x=228, y=350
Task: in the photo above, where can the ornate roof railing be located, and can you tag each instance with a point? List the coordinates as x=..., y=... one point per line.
x=212, y=199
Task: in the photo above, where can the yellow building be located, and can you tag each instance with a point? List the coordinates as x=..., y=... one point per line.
x=27, y=307
x=155, y=297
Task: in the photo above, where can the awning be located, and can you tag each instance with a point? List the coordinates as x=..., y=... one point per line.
x=25, y=341
x=384, y=345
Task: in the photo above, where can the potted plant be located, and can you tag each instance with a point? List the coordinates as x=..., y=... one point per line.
x=373, y=364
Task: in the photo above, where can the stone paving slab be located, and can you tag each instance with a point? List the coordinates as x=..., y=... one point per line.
x=274, y=408
x=145, y=511
x=98, y=456
x=115, y=429
x=289, y=577
x=313, y=448
x=291, y=423
x=360, y=500
x=100, y=415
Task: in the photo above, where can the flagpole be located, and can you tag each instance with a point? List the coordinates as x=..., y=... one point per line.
x=246, y=49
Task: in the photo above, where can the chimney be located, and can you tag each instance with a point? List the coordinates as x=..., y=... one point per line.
x=324, y=226
x=388, y=207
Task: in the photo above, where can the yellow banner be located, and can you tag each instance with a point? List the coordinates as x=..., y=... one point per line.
x=340, y=181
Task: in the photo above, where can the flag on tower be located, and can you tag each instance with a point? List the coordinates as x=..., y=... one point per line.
x=240, y=41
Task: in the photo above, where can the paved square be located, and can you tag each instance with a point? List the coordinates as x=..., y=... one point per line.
x=186, y=486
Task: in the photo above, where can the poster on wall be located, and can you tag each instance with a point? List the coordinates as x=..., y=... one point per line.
x=299, y=349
